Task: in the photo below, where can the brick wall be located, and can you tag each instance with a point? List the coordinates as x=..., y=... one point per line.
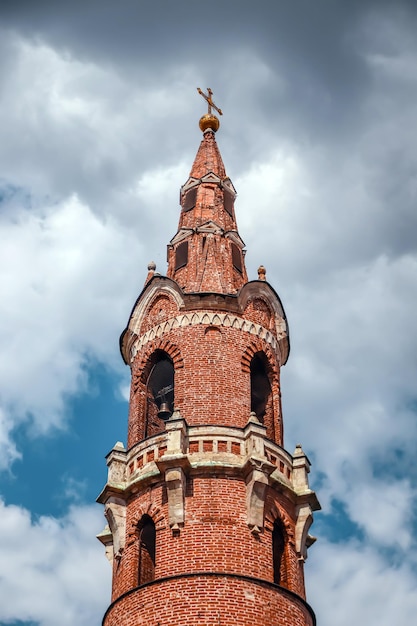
x=210, y=600
x=215, y=536
x=212, y=386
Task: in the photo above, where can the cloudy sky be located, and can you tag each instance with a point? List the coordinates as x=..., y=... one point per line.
x=98, y=131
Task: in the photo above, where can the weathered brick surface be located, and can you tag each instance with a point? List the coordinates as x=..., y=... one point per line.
x=208, y=158
x=212, y=386
x=260, y=312
x=161, y=308
x=207, y=600
x=215, y=535
x=208, y=228
x=210, y=267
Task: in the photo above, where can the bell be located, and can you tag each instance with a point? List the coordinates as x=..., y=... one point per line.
x=164, y=411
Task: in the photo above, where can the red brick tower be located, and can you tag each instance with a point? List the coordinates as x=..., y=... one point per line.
x=208, y=515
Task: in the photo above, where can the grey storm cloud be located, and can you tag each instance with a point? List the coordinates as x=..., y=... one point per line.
x=316, y=43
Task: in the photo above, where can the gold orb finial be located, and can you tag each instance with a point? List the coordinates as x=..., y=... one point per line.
x=209, y=120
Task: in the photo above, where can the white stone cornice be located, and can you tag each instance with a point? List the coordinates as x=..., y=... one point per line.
x=182, y=451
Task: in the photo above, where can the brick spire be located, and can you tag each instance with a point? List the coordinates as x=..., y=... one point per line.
x=207, y=253
x=208, y=158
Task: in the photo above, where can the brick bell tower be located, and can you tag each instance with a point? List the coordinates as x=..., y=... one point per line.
x=208, y=515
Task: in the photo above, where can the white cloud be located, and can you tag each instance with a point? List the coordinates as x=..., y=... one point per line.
x=349, y=583
x=73, y=263
x=353, y=356
x=64, y=293
x=384, y=510
x=9, y=452
x=52, y=570
x=335, y=227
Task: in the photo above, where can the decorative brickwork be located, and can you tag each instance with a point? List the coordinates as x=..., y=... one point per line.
x=162, y=308
x=208, y=515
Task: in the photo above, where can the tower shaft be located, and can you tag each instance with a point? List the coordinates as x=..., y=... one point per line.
x=208, y=515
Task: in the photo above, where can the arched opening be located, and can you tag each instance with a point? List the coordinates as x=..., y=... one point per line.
x=147, y=549
x=159, y=392
x=237, y=258
x=261, y=391
x=278, y=553
x=181, y=255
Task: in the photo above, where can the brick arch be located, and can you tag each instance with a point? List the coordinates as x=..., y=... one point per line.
x=274, y=512
x=264, y=386
x=258, y=310
x=154, y=512
x=259, y=346
x=144, y=366
x=152, y=316
x=283, y=561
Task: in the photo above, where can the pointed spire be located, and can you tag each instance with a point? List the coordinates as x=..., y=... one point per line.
x=207, y=253
x=208, y=158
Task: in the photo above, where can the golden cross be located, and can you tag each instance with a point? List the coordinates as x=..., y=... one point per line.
x=209, y=100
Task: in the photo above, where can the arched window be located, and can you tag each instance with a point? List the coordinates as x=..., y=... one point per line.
x=261, y=393
x=278, y=553
x=159, y=392
x=147, y=545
